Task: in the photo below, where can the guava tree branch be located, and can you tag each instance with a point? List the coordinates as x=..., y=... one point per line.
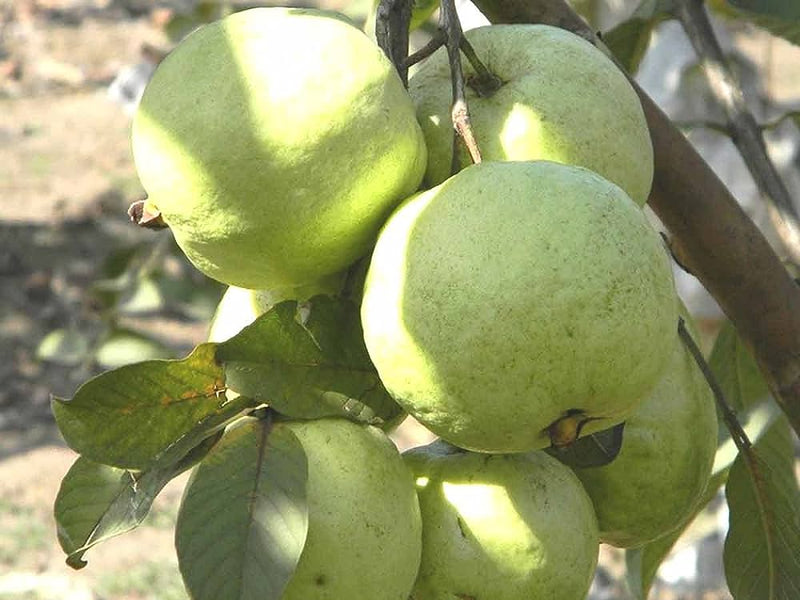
x=742, y=126
x=710, y=232
x=391, y=32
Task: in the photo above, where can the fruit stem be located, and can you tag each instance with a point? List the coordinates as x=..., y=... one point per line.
x=449, y=23
x=738, y=434
x=391, y=32
x=438, y=40
x=484, y=82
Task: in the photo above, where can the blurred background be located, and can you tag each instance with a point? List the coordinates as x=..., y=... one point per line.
x=82, y=290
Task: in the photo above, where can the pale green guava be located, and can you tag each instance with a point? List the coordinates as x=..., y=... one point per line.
x=364, y=526
x=501, y=527
x=514, y=294
x=560, y=99
x=668, y=446
x=274, y=143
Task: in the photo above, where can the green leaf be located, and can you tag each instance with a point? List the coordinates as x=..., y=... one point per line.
x=629, y=40
x=128, y=417
x=594, y=450
x=124, y=347
x=97, y=502
x=65, y=347
x=144, y=297
x=244, y=517
x=308, y=360
x=736, y=370
x=761, y=556
x=779, y=17
x=782, y=9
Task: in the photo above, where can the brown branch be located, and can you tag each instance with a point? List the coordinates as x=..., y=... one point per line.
x=392, y=23
x=742, y=126
x=710, y=231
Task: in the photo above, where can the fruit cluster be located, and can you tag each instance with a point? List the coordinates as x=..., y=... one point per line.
x=513, y=307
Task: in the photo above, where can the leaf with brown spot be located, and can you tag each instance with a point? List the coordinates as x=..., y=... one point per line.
x=128, y=417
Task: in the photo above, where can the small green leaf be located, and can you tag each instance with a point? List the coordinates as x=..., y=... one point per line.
x=124, y=347
x=243, y=521
x=629, y=40
x=144, y=297
x=779, y=17
x=761, y=551
x=781, y=9
x=128, y=417
x=308, y=360
x=65, y=347
x=736, y=370
x=594, y=450
x=97, y=502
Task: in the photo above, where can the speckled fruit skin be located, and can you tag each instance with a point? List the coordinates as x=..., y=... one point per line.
x=512, y=293
x=562, y=100
x=668, y=446
x=502, y=527
x=364, y=530
x=274, y=143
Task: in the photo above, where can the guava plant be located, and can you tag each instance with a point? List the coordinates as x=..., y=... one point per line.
x=521, y=307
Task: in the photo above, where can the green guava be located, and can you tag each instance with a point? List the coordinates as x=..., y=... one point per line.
x=560, y=99
x=501, y=527
x=668, y=446
x=364, y=528
x=513, y=295
x=274, y=143
x=364, y=535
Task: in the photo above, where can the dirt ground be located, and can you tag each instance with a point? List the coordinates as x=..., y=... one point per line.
x=66, y=180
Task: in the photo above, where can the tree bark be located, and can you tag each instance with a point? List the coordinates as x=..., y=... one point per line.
x=709, y=231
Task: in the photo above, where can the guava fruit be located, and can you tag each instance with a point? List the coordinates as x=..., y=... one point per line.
x=501, y=527
x=274, y=143
x=364, y=527
x=668, y=446
x=559, y=98
x=515, y=294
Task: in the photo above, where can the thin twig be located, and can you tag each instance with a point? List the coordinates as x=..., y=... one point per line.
x=436, y=42
x=745, y=132
x=743, y=444
x=391, y=32
x=449, y=23
x=731, y=422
